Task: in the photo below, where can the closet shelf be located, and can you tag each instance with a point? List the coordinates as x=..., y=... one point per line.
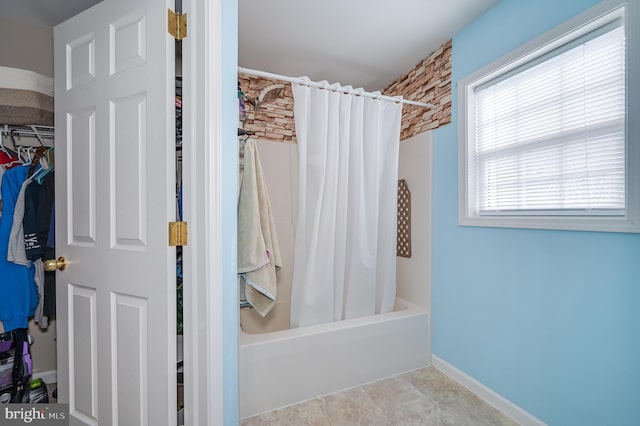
x=32, y=131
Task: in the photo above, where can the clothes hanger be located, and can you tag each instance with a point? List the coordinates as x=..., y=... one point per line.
x=46, y=169
x=25, y=154
x=40, y=170
x=2, y=148
x=13, y=140
x=9, y=152
x=12, y=163
x=36, y=161
x=19, y=154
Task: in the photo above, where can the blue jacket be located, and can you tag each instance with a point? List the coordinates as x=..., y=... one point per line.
x=18, y=292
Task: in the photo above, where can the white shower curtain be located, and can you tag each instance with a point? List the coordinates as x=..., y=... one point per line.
x=345, y=242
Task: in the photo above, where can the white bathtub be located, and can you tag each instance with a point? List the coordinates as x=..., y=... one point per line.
x=290, y=366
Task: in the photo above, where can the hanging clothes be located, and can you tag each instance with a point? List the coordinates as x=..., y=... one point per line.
x=39, y=200
x=6, y=162
x=18, y=293
x=50, y=277
x=16, y=252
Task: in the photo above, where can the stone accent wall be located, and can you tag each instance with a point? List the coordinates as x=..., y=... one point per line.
x=271, y=120
x=429, y=81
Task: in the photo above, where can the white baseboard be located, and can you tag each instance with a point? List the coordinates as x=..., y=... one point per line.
x=497, y=401
x=50, y=376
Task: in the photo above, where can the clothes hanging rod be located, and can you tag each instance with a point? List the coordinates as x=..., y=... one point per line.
x=305, y=81
x=33, y=131
x=37, y=131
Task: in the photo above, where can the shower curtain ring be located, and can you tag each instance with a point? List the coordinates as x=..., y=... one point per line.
x=305, y=81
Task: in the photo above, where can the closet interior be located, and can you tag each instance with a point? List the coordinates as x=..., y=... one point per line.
x=27, y=232
x=179, y=275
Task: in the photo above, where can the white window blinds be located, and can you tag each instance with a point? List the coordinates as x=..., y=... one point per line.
x=550, y=135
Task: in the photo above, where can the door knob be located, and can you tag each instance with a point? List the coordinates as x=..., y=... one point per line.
x=52, y=264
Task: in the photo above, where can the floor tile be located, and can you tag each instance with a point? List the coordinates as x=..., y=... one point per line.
x=304, y=414
x=432, y=382
x=434, y=416
x=398, y=398
x=353, y=407
x=418, y=398
x=473, y=411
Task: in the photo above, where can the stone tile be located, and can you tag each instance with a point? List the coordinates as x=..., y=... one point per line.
x=434, y=383
x=417, y=398
x=398, y=398
x=434, y=416
x=473, y=411
x=353, y=407
x=304, y=414
x=261, y=420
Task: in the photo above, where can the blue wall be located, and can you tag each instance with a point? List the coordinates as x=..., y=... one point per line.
x=548, y=319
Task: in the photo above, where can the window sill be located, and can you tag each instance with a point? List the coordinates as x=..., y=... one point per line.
x=595, y=224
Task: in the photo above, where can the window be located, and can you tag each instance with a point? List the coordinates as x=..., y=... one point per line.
x=545, y=140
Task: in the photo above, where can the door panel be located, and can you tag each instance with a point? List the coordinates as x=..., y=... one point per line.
x=83, y=394
x=80, y=60
x=129, y=356
x=81, y=145
x=128, y=42
x=128, y=192
x=115, y=194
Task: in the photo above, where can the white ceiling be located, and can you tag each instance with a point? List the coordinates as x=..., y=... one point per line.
x=367, y=43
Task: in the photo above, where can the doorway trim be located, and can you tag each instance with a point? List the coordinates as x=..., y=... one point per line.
x=210, y=167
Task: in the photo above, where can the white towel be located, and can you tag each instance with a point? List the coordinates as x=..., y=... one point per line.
x=258, y=251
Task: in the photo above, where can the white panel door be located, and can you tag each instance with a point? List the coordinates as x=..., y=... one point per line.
x=115, y=194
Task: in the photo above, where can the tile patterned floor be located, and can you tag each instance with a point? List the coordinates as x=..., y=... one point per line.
x=417, y=398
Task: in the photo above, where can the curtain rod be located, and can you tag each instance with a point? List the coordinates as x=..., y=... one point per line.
x=305, y=81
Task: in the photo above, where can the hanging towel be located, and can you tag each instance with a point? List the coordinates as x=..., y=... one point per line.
x=258, y=252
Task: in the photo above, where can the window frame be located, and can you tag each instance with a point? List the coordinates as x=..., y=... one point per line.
x=575, y=28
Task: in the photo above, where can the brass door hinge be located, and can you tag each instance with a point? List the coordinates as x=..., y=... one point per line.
x=177, y=234
x=177, y=24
